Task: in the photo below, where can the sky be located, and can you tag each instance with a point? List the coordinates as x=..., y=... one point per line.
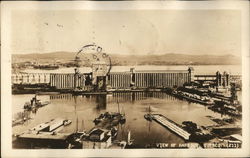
x=143, y=32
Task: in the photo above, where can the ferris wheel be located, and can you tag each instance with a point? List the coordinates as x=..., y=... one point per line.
x=92, y=54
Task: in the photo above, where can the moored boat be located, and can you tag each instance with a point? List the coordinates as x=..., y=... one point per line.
x=198, y=98
x=113, y=118
x=35, y=103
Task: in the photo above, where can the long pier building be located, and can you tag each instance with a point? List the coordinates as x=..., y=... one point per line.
x=133, y=79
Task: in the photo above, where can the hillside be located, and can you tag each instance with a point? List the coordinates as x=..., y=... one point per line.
x=165, y=59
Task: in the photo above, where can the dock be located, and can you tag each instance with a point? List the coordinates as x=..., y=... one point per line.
x=46, y=131
x=174, y=127
x=45, y=136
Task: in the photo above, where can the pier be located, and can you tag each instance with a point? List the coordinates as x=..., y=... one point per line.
x=164, y=121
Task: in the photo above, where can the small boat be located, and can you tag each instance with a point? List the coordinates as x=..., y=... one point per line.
x=114, y=117
x=148, y=117
x=67, y=122
x=34, y=103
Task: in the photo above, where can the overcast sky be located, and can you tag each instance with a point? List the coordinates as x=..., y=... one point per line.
x=215, y=32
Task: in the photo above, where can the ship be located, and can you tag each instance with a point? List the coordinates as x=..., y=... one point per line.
x=46, y=67
x=225, y=108
x=109, y=119
x=34, y=103
x=193, y=95
x=171, y=125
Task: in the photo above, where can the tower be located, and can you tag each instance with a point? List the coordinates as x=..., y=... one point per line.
x=99, y=72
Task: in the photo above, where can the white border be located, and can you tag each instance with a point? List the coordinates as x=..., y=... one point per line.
x=6, y=144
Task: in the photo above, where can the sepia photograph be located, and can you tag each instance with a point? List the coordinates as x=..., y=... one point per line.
x=125, y=75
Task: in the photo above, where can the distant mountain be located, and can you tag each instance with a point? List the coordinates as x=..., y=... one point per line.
x=117, y=59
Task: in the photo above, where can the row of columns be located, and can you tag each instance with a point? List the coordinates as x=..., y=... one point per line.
x=122, y=80
x=67, y=81
x=161, y=79
x=140, y=96
x=116, y=80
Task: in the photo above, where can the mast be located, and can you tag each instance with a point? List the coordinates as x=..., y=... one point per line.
x=76, y=114
x=118, y=106
x=82, y=125
x=76, y=124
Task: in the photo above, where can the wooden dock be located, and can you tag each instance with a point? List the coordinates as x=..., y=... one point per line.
x=164, y=121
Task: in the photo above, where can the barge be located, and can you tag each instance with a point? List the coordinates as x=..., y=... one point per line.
x=45, y=135
x=109, y=119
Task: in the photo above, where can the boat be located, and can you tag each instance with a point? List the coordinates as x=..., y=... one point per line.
x=28, y=106
x=113, y=118
x=67, y=122
x=46, y=67
x=149, y=116
x=198, y=133
x=34, y=103
x=198, y=98
x=171, y=125
x=110, y=119
x=225, y=108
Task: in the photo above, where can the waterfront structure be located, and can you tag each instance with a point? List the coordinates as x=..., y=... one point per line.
x=164, y=121
x=133, y=79
x=45, y=135
x=114, y=80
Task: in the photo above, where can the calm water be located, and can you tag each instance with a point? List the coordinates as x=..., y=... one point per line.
x=198, y=69
x=86, y=108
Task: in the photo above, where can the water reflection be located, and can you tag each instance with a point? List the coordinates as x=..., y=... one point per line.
x=118, y=96
x=83, y=109
x=101, y=102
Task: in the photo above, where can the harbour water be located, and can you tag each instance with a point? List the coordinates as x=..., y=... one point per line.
x=86, y=108
x=198, y=69
x=83, y=109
